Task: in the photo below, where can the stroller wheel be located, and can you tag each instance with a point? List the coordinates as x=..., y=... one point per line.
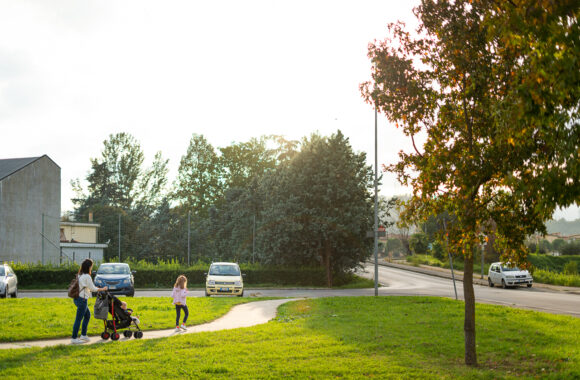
x=105, y=335
x=115, y=336
x=138, y=334
x=127, y=333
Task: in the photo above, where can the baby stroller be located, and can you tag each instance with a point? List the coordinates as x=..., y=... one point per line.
x=106, y=304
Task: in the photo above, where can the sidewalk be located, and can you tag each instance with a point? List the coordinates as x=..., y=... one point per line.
x=244, y=315
x=446, y=273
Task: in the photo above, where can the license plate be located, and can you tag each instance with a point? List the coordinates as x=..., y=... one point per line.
x=224, y=289
x=112, y=287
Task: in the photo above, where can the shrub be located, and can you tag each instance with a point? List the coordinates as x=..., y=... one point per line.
x=571, y=268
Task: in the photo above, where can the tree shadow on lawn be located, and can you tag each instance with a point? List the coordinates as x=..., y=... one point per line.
x=428, y=332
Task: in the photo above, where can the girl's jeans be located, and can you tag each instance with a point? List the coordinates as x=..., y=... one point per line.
x=178, y=311
x=83, y=314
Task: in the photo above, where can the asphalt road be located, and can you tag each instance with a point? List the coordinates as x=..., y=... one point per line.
x=401, y=282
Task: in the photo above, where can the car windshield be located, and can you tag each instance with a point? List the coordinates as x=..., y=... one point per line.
x=510, y=269
x=113, y=269
x=224, y=270
x=2, y=273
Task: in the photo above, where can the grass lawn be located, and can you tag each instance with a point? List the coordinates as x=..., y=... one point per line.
x=350, y=337
x=41, y=318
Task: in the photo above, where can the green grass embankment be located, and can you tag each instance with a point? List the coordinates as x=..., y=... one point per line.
x=347, y=338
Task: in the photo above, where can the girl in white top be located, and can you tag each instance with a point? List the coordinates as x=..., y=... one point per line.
x=83, y=315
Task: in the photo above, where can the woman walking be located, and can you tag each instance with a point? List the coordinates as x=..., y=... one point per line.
x=179, y=295
x=86, y=286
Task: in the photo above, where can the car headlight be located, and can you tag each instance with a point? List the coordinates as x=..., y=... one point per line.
x=211, y=282
x=98, y=282
x=238, y=283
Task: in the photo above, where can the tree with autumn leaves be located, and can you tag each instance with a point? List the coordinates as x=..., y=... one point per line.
x=494, y=89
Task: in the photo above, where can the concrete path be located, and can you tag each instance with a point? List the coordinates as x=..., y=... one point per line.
x=244, y=315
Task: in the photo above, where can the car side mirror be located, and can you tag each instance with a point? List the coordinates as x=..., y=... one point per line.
x=10, y=275
x=133, y=271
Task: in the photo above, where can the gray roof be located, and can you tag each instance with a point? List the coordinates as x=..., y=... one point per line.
x=12, y=165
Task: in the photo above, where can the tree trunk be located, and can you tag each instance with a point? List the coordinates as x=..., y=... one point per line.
x=327, y=252
x=469, y=322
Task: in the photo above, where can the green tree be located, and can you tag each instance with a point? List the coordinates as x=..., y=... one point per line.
x=419, y=243
x=394, y=245
x=244, y=161
x=495, y=89
x=198, y=185
x=557, y=244
x=318, y=208
x=438, y=250
x=113, y=179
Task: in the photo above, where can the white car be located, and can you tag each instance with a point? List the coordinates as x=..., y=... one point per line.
x=8, y=282
x=508, y=275
x=224, y=278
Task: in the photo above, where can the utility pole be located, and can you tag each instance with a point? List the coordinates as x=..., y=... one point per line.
x=376, y=227
x=119, y=237
x=42, y=239
x=188, y=236
x=254, y=240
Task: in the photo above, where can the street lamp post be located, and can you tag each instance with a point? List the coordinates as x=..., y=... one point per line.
x=376, y=224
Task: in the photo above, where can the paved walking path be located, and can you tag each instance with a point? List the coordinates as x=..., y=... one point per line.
x=244, y=315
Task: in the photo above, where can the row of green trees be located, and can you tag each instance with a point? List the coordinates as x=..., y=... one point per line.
x=268, y=200
x=563, y=247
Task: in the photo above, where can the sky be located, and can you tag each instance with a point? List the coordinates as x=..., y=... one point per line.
x=73, y=72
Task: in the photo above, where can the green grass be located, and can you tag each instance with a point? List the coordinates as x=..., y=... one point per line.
x=40, y=318
x=349, y=338
x=549, y=277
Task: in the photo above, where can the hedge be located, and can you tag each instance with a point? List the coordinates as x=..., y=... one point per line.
x=38, y=277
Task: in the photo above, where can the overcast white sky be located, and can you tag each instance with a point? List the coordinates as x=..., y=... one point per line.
x=73, y=72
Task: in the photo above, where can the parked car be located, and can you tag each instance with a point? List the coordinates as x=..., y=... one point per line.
x=224, y=278
x=8, y=282
x=118, y=277
x=508, y=275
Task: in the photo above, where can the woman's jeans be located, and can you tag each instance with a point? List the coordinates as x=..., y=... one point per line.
x=178, y=311
x=83, y=314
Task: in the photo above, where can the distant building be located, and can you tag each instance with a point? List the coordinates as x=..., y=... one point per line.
x=557, y=235
x=79, y=241
x=29, y=210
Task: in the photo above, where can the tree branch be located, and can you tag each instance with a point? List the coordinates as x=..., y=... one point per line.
x=414, y=146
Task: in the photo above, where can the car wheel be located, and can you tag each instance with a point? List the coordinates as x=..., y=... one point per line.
x=503, y=285
x=241, y=294
x=529, y=285
x=15, y=293
x=490, y=283
x=206, y=294
x=131, y=294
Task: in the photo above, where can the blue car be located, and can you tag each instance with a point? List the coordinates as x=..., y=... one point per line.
x=118, y=277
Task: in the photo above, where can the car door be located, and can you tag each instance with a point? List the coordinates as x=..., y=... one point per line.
x=11, y=279
x=496, y=275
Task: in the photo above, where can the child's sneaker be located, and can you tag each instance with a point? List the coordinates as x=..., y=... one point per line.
x=183, y=327
x=76, y=341
x=177, y=329
x=85, y=338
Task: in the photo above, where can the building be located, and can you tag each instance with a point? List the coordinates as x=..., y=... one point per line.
x=30, y=210
x=78, y=241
